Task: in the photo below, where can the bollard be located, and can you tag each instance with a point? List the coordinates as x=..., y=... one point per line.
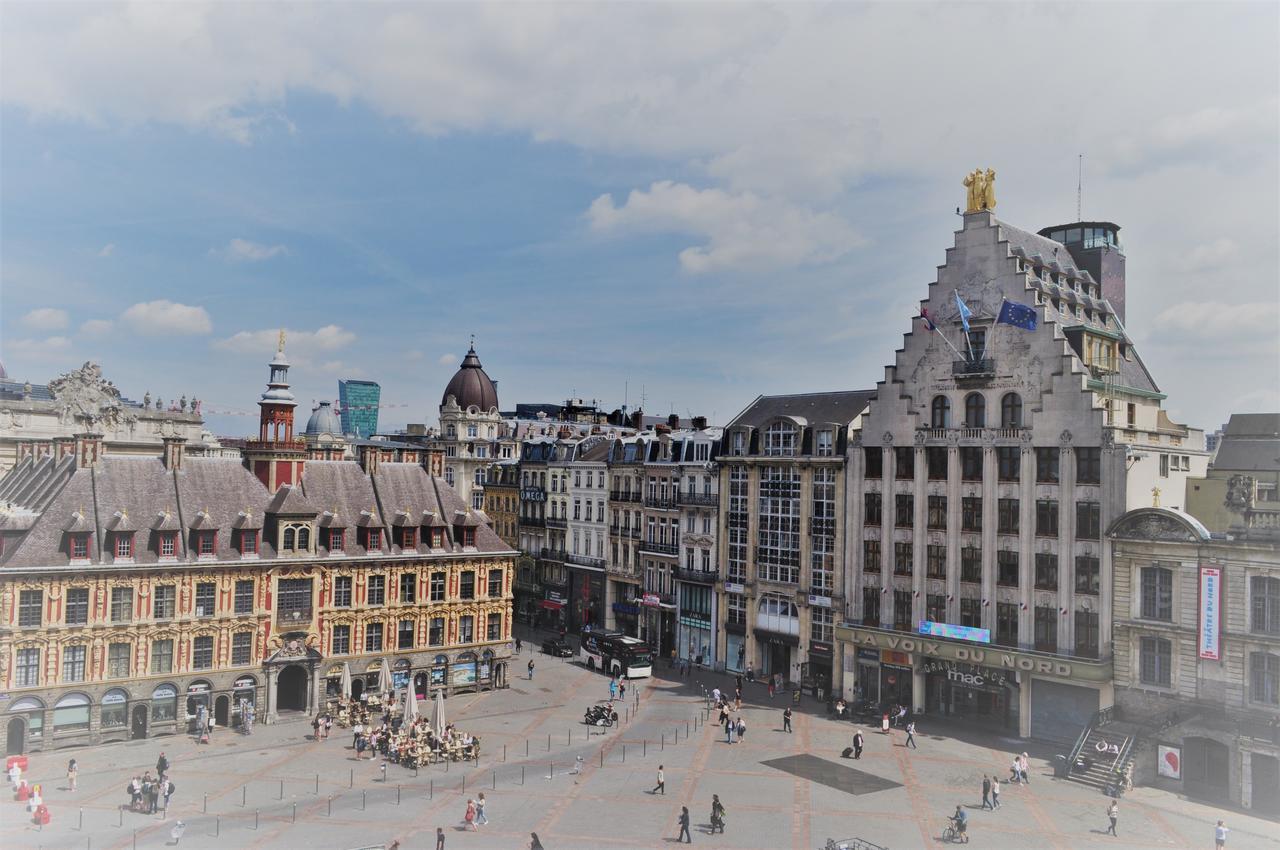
x=569, y=742
x=526, y=746
x=662, y=746
x=415, y=771
x=351, y=778
x=280, y=796
x=602, y=756
x=446, y=765
x=364, y=799
x=431, y=791
x=244, y=794
x=553, y=770
x=205, y=810
x=317, y=783
x=255, y=819
x=504, y=752
x=644, y=751
x=135, y=839
x=330, y=807
x=295, y=812
x=495, y=780
x=624, y=753
x=81, y=826
x=121, y=823
x=397, y=795
x=521, y=774
x=548, y=742
x=464, y=783
x=217, y=826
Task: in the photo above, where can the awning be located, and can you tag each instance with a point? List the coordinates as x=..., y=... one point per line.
x=552, y=605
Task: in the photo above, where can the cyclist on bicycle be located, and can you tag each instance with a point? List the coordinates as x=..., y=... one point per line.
x=960, y=820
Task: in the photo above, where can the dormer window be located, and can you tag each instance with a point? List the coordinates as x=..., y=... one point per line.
x=295, y=538
x=123, y=545
x=205, y=544
x=373, y=539
x=337, y=539
x=248, y=542
x=739, y=443
x=168, y=544
x=468, y=536
x=78, y=547
x=826, y=444
x=780, y=439
x=437, y=538
x=408, y=538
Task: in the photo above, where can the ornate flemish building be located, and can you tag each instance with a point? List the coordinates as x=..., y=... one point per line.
x=135, y=589
x=472, y=431
x=34, y=417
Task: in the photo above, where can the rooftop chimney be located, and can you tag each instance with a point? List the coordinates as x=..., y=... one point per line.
x=173, y=452
x=88, y=450
x=673, y=421
x=699, y=423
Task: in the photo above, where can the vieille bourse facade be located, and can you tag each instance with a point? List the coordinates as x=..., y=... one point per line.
x=135, y=589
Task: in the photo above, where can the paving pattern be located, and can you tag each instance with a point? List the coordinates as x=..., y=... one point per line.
x=279, y=789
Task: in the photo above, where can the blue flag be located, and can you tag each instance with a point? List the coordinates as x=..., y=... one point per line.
x=1018, y=315
x=965, y=312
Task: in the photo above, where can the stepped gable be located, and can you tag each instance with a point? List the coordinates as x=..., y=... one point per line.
x=222, y=489
x=71, y=506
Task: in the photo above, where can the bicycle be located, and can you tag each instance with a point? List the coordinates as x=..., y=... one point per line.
x=954, y=834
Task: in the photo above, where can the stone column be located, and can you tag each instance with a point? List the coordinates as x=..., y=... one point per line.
x=888, y=515
x=1026, y=539
x=954, y=504
x=272, y=674
x=990, y=497
x=919, y=531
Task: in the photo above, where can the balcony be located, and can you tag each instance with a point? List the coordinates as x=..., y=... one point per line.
x=975, y=368
x=709, y=500
x=625, y=531
x=557, y=522
x=655, y=548
x=698, y=576
x=533, y=522
x=967, y=435
x=624, y=495
x=661, y=503
x=586, y=561
x=555, y=555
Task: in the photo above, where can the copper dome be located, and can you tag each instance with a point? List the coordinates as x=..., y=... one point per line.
x=470, y=386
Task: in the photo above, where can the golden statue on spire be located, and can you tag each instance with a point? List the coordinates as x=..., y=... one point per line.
x=981, y=190
x=280, y=343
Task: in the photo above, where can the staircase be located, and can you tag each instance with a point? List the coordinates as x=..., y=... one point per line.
x=1100, y=757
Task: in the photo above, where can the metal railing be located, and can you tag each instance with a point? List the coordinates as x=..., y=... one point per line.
x=557, y=522
x=586, y=561
x=661, y=503
x=624, y=495
x=696, y=575
x=659, y=548
x=707, y=499
x=973, y=368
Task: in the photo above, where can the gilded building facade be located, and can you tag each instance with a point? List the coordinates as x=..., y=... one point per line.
x=133, y=590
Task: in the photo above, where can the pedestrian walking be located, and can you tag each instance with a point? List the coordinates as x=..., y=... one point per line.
x=162, y=764
x=1220, y=835
x=911, y=736
x=742, y=729
x=661, y=787
x=729, y=728
x=73, y=771
x=470, y=817
x=622, y=690
x=613, y=689
x=439, y=838
x=530, y=669
x=519, y=646
x=480, y=816
x=356, y=731
x=179, y=830
x=1015, y=772
x=167, y=788
x=737, y=699
x=786, y=719
x=717, y=815
x=1023, y=765
x=771, y=688
x=1113, y=813
x=534, y=843
x=986, y=792
x=684, y=826
x=995, y=792
x=858, y=742
x=315, y=728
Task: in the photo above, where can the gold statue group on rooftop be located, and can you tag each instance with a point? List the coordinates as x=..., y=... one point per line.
x=981, y=188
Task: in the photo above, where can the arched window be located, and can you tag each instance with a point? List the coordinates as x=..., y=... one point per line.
x=304, y=538
x=287, y=545
x=941, y=412
x=975, y=411
x=1011, y=411
x=112, y=715
x=164, y=703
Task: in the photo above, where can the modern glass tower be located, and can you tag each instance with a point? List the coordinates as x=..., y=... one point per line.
x=358, y=401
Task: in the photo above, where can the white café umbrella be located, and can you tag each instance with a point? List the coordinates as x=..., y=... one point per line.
x=410, y=705
x=346, y=680
x=437, y=714
x=384, y=677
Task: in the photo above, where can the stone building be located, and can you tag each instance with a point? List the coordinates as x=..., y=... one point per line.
x=782, y=500
x=625, y=582
x=35, y=417
x=586, y=497
x=1197, y=657
x=502, y=500
x=1242, y=486
x=1015, y=424
x=135, y=589
x=472, y=432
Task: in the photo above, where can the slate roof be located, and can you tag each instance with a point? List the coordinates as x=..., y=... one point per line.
x=1251, y=443
x=811, y=408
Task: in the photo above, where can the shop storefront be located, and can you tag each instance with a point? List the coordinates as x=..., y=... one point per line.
x=627, y=617
x=735, y=657
x=551, y=613
x=694, y=635
x=586, y=590
x=777, y=653
x=816, y=674
x=1030, y=694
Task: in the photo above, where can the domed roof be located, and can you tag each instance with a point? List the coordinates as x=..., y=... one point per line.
x=324, y=421
x=470, y=386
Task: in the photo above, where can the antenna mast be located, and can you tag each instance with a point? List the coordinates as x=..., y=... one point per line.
x=1079, y=183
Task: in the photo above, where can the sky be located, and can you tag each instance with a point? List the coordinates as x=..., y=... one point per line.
x=680, y=206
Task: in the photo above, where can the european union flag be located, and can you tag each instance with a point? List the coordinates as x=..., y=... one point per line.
x=1018, y=315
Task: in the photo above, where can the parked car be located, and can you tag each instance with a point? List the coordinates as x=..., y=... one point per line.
x=557, y=647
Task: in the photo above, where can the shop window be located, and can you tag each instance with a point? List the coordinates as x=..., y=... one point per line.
x=113, y=714
x=71, y=714
x=164, y=704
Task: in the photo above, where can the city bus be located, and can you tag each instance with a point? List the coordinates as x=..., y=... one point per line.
x=616, y=653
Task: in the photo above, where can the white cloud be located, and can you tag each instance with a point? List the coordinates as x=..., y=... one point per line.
x=107, y=250
x=166, y=318
x=1215, y=320
x=447, y=359
x=244, y=251
x=742, y=231
x=37, y=347
x=46, y=319
x=1212, y=255
x=301, y=346
x=97, y=327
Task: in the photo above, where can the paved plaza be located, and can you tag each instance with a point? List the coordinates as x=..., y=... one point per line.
x=279, y=789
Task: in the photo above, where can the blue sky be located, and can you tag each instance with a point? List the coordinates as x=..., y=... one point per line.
x=700, y=203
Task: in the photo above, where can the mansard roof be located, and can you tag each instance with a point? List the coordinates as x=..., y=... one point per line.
x=807, y=409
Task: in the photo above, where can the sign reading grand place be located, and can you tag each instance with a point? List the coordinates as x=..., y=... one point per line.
x=997, y=657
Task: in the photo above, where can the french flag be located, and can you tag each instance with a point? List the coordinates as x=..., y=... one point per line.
x=924, y=314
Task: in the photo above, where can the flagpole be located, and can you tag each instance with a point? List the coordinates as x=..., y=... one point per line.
x=939, y=332
x=967, y=338
x=986, y=344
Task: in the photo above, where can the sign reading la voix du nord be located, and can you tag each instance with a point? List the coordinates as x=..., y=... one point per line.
x=998, y=657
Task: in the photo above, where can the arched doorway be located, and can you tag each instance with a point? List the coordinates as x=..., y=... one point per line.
x=357, y=688
x=291, y=689
x=1205, y=768
x=222, y=711
x=138, y=727
x=16, y=741
x=420, y=685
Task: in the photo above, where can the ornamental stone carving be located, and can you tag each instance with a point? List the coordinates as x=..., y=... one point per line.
x=887, y=439
x=1155, y=527
x=85, y=396
x=919, y=438
x=1240, y=493
x=1065, y=437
